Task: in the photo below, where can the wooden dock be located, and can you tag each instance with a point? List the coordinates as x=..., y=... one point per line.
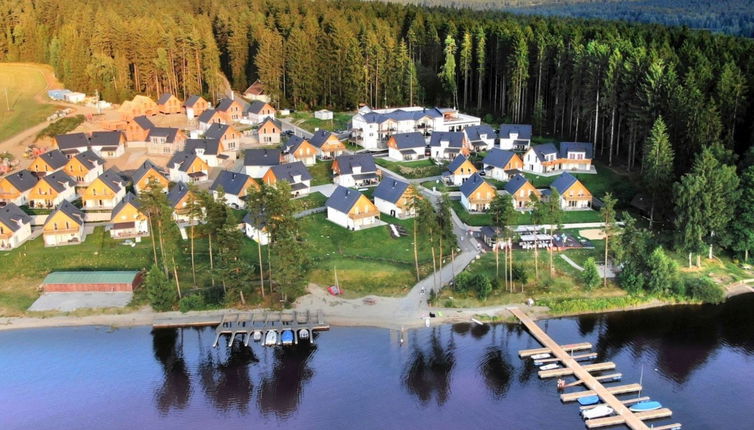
x=624, y=415
x=572, y=347
x=621, y=389
x=246, y=323
x=565, y=371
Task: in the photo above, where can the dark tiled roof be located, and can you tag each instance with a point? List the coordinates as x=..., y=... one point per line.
x=343, y=199
x=13, y=217
x=169, y=133
x=498, y=157
x=401, y=115
x=261, y=157
x=471, y=184
x=69, y=209
x=454, y=138
x=90, y=159
x=232, y=183
x=346, y=163
x=144, y=168
x=112, y=179
x=475, y=132
x=59, y=180
x=191, y=100
x=267, y=119
x=409, y=140
x=182, y=160
x=72, y=141
x=287, y=172
x=106, y=138
x=523, y=130
x=216, y=131
x=129, y=199
x=224, y=105
x=54, y=158
x=563, y=182
x=176, y=193
x=164, y=99
x=456, y=163
x=23, y=180
x=515, y=184
x=585, y=147
x=257, y=222
x=210, y=146
x=207, y=115
x=544, y=149
x=390, y=190
x=144, y=122
x=320, y=137
x=256, y=106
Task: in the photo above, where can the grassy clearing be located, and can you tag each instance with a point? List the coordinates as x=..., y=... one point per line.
x=321, y=173
x=306, y=120
x=313, y=200
x=606, y=180
x=26, y=87
x=61, y=126
x=523, y=218
x=412, y=169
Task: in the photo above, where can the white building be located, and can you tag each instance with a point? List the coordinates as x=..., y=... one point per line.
x=323, y=114
x=515, y=136
x=356, y=170
x=256, y=230
x=257, y=162
x=393, y=197
x=15, y=227
x=350, y=209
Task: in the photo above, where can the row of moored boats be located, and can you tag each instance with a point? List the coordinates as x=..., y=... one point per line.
x=283, y=337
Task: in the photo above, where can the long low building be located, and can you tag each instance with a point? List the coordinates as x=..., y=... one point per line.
x=99, y=281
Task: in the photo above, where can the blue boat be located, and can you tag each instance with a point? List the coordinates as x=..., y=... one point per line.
x=588, y=400
x=646, y=406
x=287, y=337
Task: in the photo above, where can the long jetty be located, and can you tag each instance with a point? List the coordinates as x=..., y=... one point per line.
x=583, y=375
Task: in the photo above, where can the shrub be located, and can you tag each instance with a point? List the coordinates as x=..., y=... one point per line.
x=520, y=274
x=192, y=302
x=591, y=275
x=704, y=289
x=630, y=279
x=162, y=295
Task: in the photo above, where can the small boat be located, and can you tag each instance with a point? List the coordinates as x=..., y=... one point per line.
x=287, y=337
x=540, y=356
x=649, y=405
x=271, y=339
x=303, y=334
x=597, y=412
x=257, y=335
x=588, y=400
x=549, y=366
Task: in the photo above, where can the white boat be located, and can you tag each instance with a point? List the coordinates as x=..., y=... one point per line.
x=549, y=366
x=257, y=335
x=303, y=334
x=597, y=412
x=540, y=356
x=271, y=339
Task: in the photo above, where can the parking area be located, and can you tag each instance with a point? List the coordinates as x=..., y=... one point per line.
x=67, y=302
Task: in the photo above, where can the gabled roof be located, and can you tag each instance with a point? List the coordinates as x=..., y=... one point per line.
x=343, y=199
x=145, y=167
x=515, y=184
x=390, y=190
x=177, y=193
x=182, y=160
x=23, y=180
x=400, y=115
x=192, y=100
x=267, y=119
x=164, y=99
x=523, y=130
x=563, y=182
x=70, y=210
x=293, y=143
x=471, y=184
x=144, y=122
x=169, y=133
x=454, y=138
x=71, y=141
x=543, y=149
x=497, y=157
x=129, y=199
x=54, y=158
x=207, y=115
x=232, y=183
x=59, y=180
x=216, y=131
x=106, y=138
x=13, y=217
x=210, y=146
x=320, y=137
x=409, y=140
x=112, y=179
x=256, y=106
x=457, y=162
x=224, y=104
x=89, y=159
x=475, y=132
x=256, y=89
x=346, y=163
x=261, y=157
x=585, y=147
x=258, y=223
x=287, y=172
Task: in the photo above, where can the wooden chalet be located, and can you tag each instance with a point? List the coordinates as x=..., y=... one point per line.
x=169, y=104
x=64, y=226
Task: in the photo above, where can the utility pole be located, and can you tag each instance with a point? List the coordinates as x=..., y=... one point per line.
x=7, y=103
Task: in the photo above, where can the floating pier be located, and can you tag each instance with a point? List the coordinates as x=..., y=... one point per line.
x=577, y=357
x=594, y=386
x=607, y=378
x=246, y=323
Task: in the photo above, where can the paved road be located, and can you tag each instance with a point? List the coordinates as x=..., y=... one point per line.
x=298, y=131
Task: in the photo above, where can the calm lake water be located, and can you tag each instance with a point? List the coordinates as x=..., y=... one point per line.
x=698, y=361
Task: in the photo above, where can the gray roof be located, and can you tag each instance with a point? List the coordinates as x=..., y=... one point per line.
x=13, y=217
x=584, y=147
x=471, y=184
x=409, y=140
x=543, y=149
x=144, y=168
x=231, y=182
x=287, y=172
x=498, y=157
x=476, y=132
x=58, y=181
x=563, y=182
x=320, y=137
x=267, y=119
x=23, y=180
x=256, y=106
x=523, y=130
x=112, y=179
x=210, y=146
x=164, y=99
x=191, y=100
x=90, y=159
x=343, y=199
x=390, y=190
x=454, y=138
x=169, y=133
x=206, y=116
x=177, y=192
x=261, y=157
x=293, y=143
x=224, y=104
x=54, y=158
x=515, y=184
x=346, y=163
x=72, y=141
x=216, y=131
x=130, y=198
x=258, y=223
x=106, y=138
x=69, y=209
x=401, y=115
x=456, y=163
x=182, y=160
x=144, y=122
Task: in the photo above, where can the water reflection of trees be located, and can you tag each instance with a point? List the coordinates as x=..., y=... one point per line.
x=226, y=381
x=497, y=371
x=428, y=374
x=175, y=390
x=280, y=391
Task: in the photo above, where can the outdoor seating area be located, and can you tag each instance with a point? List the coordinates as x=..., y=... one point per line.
x=565, y=241
x=531, y=241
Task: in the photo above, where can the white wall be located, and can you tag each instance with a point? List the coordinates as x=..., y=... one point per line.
x=339, y=218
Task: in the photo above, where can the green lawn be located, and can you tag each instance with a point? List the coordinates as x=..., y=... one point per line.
x=321, y=173
x=412, y=169
x=27, y=97
x=523, y=217
x=313, y=200
x=439, y=186
x=61, y=126
x=306, y=120
x=606, y=180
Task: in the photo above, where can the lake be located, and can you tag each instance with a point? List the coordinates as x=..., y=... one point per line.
x=696, y=360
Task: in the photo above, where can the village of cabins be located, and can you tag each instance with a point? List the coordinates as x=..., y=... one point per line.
x=79, y=182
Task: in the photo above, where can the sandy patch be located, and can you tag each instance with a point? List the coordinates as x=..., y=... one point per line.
x=592, y=234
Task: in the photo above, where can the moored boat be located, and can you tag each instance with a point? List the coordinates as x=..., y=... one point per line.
x=540, y=356
x=597, y=412
x=649, y=405
x=287, y=337
x=257, y=335
x=303, y=334
x=588, y=400
x=549, y=366
x=271, y=339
